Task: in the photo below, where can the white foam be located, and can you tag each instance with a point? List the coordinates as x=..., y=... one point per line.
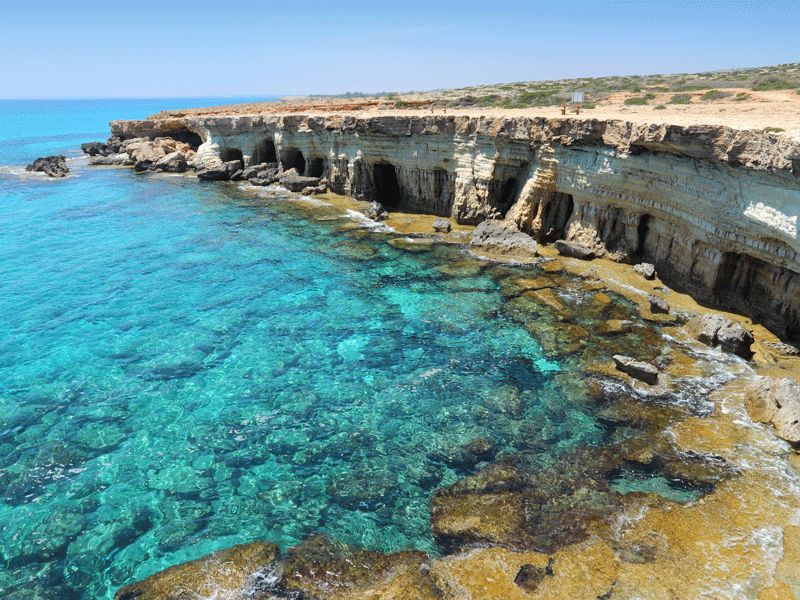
x=367, y=223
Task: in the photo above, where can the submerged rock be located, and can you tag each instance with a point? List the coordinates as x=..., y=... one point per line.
x=224, y=574
x=52, y=166
x=504, y=237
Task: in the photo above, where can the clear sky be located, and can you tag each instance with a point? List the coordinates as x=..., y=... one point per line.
x=113, y=49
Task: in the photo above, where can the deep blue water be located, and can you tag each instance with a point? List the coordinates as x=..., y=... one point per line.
x=186, y=366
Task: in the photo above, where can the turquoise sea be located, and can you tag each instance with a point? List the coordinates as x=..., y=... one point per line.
x=187, y=366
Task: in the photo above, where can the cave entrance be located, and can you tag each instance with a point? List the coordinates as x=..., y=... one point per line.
x=264, y=152
x=555, y=216
x=229, y=154
x=507, y=194
x=316, y=167
x=642, y=230
x=387, y=188
x=293, y=159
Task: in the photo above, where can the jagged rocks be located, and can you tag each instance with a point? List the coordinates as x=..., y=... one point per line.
x=376, y=212
x=174, y=162
x=574, y=250
x=218, y=170
x=52, y=166
x=503, y=237
x=637, y=369
x=441, y=225
x=657, y=304
x=776, y=401
x=227, y=573
x=646, y=270
x=719, y=330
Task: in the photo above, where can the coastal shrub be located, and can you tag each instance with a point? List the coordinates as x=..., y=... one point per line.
x=650, y=95
x=741, y=96
x=400, y=104
x=771, y=83
x=658, y=88
x=588, y=105
x=690, y=88
x=680, y=99
x=772, y=130
x=715, y=95
x=635, y=101
x=660, y=107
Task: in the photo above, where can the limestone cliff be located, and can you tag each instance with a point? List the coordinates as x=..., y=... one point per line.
x=715, y=209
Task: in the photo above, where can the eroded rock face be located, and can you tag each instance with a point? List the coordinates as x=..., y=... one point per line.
x=712, y=208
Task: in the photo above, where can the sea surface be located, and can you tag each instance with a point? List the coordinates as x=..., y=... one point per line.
x=188, y=366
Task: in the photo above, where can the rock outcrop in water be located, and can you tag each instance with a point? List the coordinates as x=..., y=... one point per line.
x=713, y=208
x=52, y=166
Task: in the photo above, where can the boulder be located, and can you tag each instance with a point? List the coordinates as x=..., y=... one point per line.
x=174, y=162
x=314, y=190
x=719, y=330
x=637, y=369
x=574, y=250
x=297, y=183
x=52, y=166
x=213, y=170
x=145, y=151
x=504, y=237
x=646, y=270
x=97, y=149
x=442, y=225
x=590, y=274
x=116, y=159
x=776, y=401
x=657, y=304
x=376, y=212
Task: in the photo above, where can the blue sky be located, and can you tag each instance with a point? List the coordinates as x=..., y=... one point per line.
x=177, y=49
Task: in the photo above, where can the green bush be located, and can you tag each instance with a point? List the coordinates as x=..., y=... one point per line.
x=680, y=99
x=650, y=95
x=772, y=83
x=588, y=105
x=690, y=88
x=714, y=95
x=772, y=130
x=660, y=107
x=658, y=88
x=636, y=101
x=741, y=96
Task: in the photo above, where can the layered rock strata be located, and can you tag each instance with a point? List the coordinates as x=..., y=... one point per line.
x=713, y=208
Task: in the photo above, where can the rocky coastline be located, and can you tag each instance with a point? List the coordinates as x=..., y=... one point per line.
x=708, y=210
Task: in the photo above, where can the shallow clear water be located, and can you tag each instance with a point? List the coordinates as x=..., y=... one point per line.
x=184, y=367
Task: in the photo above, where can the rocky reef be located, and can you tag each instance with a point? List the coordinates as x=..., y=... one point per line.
x=713, y=208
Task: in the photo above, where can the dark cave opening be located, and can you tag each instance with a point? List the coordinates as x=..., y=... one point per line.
x=316, y=167
x=387, y=188
x=293, y=159
x=264, y=152
x=229, y=154
x=642, y=230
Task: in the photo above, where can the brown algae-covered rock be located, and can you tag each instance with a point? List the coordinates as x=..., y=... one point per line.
x=224, y=574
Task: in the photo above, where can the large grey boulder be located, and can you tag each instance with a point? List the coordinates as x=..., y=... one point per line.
x=657, y=304
x=175, y=162
x=719, y=330
x=52, y=166
x=297, y=183
x=646, y=270
x=504, y=237
x=776, y=401
x=574, y=250
x=213, y=170
x=442, y=225
x=376, y=212
x=637, y=369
